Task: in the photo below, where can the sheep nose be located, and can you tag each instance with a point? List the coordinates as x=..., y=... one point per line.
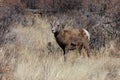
x=53, y=31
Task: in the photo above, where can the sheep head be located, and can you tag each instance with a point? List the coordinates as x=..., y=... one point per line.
x=57, y=24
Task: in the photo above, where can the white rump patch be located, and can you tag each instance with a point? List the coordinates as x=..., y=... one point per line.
x=87, y=33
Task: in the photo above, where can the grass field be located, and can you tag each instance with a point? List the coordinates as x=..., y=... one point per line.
x=30, y=58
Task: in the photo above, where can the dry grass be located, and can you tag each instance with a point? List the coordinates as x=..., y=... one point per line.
x=27, y=58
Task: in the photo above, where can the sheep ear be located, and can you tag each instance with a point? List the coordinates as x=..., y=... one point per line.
x=52, y=20
x=57, y=22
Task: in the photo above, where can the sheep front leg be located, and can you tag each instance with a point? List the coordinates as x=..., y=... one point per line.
x=65, y=51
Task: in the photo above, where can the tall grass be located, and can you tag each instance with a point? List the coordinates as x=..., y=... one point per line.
x=29, y=58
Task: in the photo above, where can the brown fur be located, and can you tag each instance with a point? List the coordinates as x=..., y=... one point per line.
x=72, y=39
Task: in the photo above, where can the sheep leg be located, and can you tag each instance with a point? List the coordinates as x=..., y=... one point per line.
x=64, y=54
x=80, y=48
x=65, y=51
x=87, y=48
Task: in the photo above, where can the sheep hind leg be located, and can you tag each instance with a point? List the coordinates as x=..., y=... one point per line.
x=80, y=49
x=87, y=49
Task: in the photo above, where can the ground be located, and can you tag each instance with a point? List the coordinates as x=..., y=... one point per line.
x=29, y=57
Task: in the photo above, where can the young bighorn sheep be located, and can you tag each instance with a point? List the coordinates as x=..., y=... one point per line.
x=70, y=39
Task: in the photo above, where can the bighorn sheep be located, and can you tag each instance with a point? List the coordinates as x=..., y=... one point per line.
x=70, y=39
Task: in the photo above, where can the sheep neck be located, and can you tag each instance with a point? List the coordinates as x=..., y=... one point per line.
x=58, y=36
x=57, y=33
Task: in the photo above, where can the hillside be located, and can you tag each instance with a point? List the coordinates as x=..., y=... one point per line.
x=28, y=50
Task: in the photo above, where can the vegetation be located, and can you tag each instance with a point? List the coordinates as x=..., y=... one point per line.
x=28, y=50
